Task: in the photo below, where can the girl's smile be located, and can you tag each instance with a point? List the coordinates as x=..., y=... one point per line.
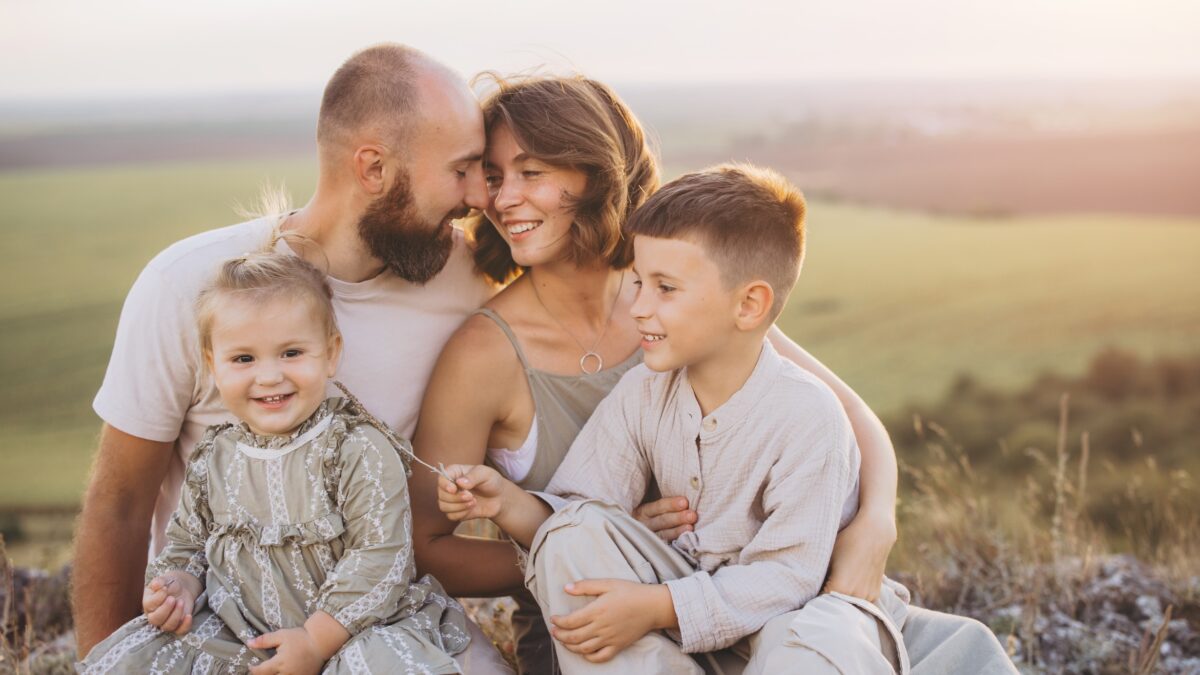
x=271, y=361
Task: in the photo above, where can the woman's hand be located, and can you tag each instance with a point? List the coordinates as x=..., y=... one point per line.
x=668, y=517
x=860, y=555
x=169, y=599
x=476, y=492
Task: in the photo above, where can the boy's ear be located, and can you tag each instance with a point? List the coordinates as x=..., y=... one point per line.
x=369, y=168
x=335, y=354
x=754, y=306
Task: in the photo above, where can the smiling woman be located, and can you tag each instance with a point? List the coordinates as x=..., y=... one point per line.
x=567, y=164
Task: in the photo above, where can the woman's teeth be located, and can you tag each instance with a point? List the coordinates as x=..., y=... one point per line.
x=652, y=338
x=523, y=227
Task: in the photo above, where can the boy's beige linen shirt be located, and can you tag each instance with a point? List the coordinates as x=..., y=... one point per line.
x=773, y=474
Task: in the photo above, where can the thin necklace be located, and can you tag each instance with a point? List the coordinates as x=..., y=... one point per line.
x=588, y=354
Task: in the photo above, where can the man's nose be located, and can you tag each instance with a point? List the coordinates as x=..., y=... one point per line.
x=477, y=192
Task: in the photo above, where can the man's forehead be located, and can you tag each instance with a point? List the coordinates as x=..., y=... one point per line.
x=449, y=116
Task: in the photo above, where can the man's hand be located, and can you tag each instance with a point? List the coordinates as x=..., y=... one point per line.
x=622, y=613
x=169, y=599
x=296, y=653
x=668, y=517
x=475, y=493
x=859, y=556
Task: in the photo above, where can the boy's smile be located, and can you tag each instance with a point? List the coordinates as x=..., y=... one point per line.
x=683, y=310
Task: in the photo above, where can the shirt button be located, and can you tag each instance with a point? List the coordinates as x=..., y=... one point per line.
x=710, y=424
x=696, y=482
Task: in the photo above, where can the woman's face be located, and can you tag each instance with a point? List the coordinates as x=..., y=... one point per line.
x=529, y=201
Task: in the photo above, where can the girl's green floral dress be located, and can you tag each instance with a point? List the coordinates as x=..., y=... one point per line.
x=278, y=528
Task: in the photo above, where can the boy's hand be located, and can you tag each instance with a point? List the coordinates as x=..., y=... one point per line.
x=296, y=653
x=622, y=613
x=668, y=517
x=859, y=556
x=475, y=493
x=169, y=599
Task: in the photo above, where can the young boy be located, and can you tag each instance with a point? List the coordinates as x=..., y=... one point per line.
x=710, y=417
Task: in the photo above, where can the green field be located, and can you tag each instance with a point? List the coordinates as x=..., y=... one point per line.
x=897, y=303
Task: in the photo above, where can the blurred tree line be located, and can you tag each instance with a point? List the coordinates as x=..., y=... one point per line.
x=1131, y=436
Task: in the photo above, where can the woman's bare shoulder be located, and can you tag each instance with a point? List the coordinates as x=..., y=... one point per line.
x=480, y=347
x=479, y=344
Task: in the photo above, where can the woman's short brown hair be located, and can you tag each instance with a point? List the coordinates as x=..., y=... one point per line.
x=582, y=124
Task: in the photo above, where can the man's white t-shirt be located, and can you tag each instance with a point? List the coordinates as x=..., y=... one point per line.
x=157, y=388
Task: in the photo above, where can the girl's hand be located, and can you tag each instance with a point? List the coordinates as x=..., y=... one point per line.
x=475, y=493
x=668, y=517
x=296, y=653
x=169, y=599
x=859, y=556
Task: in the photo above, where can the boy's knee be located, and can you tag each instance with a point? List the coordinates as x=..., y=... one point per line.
x=592, y=514
x=573, y=531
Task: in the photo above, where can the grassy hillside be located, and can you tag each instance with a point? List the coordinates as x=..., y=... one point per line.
x=897, y=303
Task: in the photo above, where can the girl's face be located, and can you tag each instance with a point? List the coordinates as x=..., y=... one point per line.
x=529, y=201
x=271, y=361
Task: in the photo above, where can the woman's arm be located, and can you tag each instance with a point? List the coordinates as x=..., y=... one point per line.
x=861, y=551
x=472, y=387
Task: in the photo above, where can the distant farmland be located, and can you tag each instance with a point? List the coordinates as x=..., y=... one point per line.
x=897, y=303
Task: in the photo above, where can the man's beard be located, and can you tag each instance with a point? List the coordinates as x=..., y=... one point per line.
x=394, y=233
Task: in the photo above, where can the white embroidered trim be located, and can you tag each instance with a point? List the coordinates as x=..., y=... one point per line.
x=264, y=453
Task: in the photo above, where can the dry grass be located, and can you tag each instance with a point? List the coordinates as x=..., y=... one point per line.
x=1033, y=567
x=1064, y=594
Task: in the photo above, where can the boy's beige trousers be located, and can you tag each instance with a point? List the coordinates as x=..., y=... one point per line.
x=593, y=540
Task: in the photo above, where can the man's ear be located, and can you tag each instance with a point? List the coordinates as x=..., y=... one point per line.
x=754, y=305
x=369, y=169
x=335, y=354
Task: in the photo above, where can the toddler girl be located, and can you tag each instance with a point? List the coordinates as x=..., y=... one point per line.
x=293, y=533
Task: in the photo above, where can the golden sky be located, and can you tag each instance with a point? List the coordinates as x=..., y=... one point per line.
x=52, y=48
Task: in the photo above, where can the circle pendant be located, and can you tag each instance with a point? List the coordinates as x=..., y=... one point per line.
x=586, y=359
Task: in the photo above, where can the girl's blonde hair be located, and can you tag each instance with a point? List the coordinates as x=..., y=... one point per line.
x=262, y=277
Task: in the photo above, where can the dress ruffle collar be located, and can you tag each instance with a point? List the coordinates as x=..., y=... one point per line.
x=267, y=446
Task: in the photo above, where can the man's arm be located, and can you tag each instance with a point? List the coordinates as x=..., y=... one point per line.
x=863, y=546
x=112, y=536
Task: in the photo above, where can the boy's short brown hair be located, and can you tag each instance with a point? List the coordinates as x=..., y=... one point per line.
x=750, y=221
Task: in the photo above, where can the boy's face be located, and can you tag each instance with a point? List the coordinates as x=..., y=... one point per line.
x=271, y=362
x=683, y=310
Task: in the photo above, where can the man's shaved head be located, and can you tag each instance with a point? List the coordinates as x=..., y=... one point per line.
x=419, y=130
x=378, y=92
